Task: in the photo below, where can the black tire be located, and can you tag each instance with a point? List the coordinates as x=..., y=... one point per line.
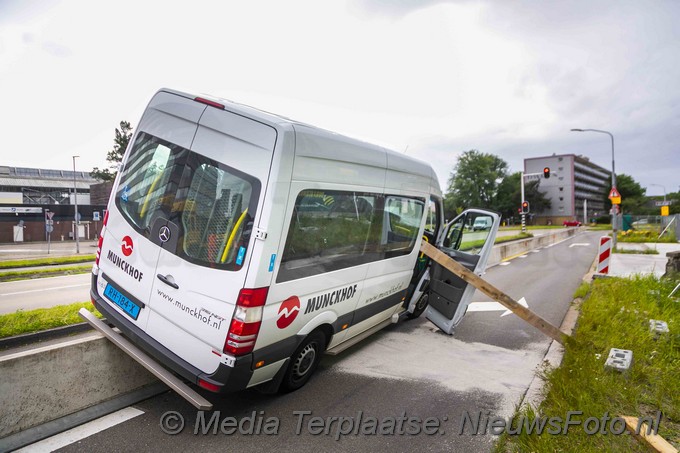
x=303, y=362
x=420, y=307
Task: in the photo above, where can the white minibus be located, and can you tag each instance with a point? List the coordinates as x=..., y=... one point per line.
x=239, y=246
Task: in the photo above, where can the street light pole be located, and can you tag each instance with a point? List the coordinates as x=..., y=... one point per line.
x=664, y=191
x=75, y=200
x=614, y=215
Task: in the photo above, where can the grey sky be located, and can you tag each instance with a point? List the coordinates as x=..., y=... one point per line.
x=505, y=77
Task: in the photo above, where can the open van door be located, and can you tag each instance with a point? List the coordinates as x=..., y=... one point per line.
x=463, y=240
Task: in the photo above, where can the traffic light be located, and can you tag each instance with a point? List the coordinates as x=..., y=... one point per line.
x=546, y=172
x=525, y=207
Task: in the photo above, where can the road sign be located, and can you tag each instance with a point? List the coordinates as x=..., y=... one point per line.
x=95, y=216
x=614, y=193
x=615, y=200
x=49, y=222
x=665, y=210
x=49, y=228
x=662, y=203
x=50, y=214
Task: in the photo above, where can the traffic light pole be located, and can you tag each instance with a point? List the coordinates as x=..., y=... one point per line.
x=524, y=222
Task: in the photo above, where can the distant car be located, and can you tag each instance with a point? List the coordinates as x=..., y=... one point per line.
x=571, y=223
x=482, y=223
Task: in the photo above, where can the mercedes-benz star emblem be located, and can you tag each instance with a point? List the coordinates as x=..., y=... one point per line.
x=164, y=234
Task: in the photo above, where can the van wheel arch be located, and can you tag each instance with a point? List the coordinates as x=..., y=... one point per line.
x=305, y=359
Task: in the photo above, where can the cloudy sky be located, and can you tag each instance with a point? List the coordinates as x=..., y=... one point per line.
x=426, y=77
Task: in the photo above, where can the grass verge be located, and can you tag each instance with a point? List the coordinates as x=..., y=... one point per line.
x=636, y=252
x=46, y=261
x=38, y=273
x=615, y=314
x=21, y=322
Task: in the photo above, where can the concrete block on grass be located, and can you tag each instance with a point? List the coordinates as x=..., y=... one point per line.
x=619, y=359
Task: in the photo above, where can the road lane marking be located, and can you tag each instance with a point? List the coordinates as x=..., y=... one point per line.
x=504, y=263
x=44, y=289
x=579, y=244
x=81, y=432
x=535, y=251
x=494, y=306
x=522, y=256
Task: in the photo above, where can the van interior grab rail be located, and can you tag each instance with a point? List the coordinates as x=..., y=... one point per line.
x=493, y=292
x=147, y=362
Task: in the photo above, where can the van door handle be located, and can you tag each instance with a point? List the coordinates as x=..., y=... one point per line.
x=168, y=280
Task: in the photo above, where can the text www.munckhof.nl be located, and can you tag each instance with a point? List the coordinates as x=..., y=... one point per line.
x=360, y=424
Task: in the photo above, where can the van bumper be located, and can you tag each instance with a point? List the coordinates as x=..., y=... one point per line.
x=225, y=378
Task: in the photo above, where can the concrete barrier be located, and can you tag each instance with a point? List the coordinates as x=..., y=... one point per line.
x=501, y=252
x=45, y=383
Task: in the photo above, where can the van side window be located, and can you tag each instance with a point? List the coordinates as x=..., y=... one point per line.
x=332, y=230
x=433, y=219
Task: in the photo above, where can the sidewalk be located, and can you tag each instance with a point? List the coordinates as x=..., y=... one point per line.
x=626, y=265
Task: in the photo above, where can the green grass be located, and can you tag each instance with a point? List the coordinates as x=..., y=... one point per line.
x=646, y=236
x=602, y=227
x=615, y=314
x=46, y=261
x=636, y=252
x=21, y=322
x=479, y=243
x=38, y=273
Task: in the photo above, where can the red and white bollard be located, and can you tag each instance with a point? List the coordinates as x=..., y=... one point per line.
x=603, y=255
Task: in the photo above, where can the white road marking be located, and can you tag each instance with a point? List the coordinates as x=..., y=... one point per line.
x=504, y=263
x=81, y=432
x=44, y=289
x=494, y=306
x=522, y=256
x=579, y=244
x=535, y=251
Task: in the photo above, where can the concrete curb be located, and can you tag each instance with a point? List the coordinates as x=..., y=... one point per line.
x=50, y=382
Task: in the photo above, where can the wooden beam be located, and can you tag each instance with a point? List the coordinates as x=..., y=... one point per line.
x=655, y=441
x=493, y=292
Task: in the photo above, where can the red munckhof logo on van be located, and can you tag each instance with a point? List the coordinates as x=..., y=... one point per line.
x=126, y=246
x=288, y=312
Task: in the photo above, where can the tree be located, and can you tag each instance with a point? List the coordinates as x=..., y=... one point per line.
x=115, y=156
x=474, y=181
x=510, y=196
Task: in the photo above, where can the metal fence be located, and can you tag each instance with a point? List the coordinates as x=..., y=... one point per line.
x=655, y=223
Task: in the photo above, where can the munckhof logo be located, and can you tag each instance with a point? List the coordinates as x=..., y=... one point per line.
x=288, y=312
x=127, y=246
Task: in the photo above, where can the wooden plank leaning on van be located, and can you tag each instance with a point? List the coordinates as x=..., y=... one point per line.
x=493, y=292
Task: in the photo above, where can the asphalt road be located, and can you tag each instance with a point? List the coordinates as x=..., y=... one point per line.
x=409, y=368
x=44, y=292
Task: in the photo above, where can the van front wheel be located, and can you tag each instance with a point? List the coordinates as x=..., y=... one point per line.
x=303, y=362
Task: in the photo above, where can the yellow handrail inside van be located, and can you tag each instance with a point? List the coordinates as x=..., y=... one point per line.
x=232, y=235
x=426, y=240
x=148, y=194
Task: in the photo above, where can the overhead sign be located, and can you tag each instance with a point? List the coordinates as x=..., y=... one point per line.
x=662, y=203
x=614, y=193
x=20, y=210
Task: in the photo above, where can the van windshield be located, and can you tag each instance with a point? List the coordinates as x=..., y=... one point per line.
x=212, y=204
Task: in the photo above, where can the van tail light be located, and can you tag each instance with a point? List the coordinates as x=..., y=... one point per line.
x=245, y=324
x=209, y=102
x=101, y=237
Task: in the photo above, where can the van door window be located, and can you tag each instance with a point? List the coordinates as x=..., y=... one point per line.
x=404, y=216
x=212, y=203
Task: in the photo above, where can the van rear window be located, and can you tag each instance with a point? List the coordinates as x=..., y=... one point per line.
x=212, y=204
x=332, y=230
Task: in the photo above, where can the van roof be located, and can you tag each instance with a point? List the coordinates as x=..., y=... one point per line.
x=394, y=160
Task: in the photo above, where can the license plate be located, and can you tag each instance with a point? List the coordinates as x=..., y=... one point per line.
x=129, y=308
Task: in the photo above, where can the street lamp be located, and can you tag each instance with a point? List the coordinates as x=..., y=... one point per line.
x=614, y=220
x=75, y=200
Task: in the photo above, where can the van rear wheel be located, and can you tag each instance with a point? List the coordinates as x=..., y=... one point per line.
x=420, y=307
x=303, y=362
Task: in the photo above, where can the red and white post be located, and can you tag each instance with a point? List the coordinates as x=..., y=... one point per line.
x=604, y=254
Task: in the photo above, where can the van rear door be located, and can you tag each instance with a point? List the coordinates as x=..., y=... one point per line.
x=206, y=240
x=449, y=295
